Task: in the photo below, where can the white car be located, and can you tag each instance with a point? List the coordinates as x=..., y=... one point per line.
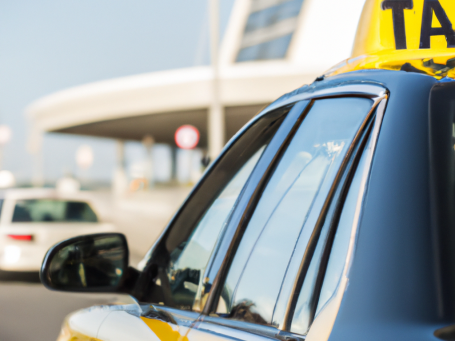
x=33, y=220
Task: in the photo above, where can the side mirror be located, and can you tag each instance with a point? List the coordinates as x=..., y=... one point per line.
x=91, y=263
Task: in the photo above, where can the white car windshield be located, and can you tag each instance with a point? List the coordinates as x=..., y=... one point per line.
x=53, y=210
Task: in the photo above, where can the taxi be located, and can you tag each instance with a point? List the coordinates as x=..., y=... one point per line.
x=330, y=216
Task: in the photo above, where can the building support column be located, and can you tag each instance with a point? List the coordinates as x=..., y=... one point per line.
x=148, y=142
x=35, y=148
x=216, y=120
x=120, y=180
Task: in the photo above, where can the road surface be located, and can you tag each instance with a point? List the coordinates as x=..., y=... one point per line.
x=31, y=312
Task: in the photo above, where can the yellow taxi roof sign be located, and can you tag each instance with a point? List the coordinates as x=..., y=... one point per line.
x=408, y=35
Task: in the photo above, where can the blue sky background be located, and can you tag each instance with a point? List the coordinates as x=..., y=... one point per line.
x=49, y=45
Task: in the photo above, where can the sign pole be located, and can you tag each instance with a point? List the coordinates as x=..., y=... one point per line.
x=216, y=112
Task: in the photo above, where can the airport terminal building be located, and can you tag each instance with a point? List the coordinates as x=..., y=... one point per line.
x=270, y=47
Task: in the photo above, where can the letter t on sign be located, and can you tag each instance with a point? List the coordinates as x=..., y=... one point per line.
x=398, y=7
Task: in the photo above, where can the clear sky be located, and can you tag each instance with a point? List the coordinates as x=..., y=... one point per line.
x=49, y=45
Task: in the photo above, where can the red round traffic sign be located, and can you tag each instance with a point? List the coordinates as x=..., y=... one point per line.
x=187, y=137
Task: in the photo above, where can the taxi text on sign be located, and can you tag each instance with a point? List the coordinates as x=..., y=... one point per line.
x=406, y=35
x=406, y=24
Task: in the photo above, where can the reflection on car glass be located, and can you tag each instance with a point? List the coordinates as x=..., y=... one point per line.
x=341, y=243
x=190, y=259
x=53, y=210
x=303, y=311
x=304, y=174
x=93, y=261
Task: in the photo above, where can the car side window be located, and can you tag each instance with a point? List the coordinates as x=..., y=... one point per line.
x=177, y=263
x=305, y=173
x=188, y=261
x=309, y=299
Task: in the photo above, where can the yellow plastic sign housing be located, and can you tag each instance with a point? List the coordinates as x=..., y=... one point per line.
x=407, y=35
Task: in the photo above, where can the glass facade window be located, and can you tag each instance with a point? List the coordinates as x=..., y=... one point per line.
x=269, y=30
x=274, y=49
x=273, y=15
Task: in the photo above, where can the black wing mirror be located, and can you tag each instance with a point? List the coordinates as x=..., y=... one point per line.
x=91, y=263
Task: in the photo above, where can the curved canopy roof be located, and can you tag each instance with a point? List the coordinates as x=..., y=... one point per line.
x=271, y=47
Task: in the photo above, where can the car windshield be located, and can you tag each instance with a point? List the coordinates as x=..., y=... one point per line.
x=52, y=210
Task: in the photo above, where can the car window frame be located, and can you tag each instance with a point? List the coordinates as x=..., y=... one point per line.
x=304, y=260
x=441, y=129
x=201, y=197
x=250, y=196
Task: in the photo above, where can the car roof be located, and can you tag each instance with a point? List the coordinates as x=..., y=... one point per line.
x=387, y=79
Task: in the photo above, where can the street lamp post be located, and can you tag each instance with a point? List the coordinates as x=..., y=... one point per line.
x=216, y=113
